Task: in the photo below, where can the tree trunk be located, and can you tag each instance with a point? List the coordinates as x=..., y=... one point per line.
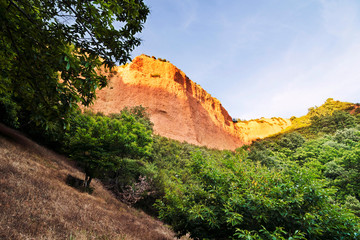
x=87, y=180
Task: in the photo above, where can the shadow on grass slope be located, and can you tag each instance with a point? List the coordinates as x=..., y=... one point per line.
x=36, y=202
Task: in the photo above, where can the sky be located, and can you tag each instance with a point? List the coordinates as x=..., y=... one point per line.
x=260, y=58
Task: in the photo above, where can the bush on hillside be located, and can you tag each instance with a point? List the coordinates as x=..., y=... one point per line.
x=330, y=123
x=291, y=141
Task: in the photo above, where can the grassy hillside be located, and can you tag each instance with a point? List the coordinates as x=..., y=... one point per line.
x=36, y=202
x=303, y=123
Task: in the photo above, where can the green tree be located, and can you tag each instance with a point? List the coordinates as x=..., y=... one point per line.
x=99, y=143
x=291, y=140
x=43, y=41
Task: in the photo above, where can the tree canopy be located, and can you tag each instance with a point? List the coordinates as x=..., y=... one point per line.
x=43, y=41
x=100, y=143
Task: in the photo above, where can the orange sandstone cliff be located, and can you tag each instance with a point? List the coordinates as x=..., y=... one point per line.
x=179, y=108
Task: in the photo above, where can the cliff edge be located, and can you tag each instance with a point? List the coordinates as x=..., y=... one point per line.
x=179, y=108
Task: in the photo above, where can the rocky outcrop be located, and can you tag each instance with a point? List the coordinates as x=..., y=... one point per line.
x=261, y=128
x=179, y=108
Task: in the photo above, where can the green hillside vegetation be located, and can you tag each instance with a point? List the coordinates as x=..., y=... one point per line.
x=302, y=184
x=329, y=145
x=287, y=187
x=303, y=123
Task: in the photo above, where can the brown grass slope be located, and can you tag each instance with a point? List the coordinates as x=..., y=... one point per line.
x=36, y=203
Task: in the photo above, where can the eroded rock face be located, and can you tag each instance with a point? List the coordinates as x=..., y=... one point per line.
x=261, y=128
x=179, y=108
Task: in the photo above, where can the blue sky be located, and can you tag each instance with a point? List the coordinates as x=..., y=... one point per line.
x=261, y=58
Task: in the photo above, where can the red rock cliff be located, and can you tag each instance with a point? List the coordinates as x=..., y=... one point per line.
x=179, y=108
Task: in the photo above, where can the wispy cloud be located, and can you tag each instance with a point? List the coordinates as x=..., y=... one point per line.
x=269, y=58
x=188, y=12
x=313, y=67
x=340, y=17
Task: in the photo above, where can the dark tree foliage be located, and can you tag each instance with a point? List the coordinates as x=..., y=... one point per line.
x=329, y=123
x=43, y=41
x=259, y=153
x=291, y=140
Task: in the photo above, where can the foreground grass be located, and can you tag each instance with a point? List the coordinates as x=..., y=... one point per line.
x=36, y=203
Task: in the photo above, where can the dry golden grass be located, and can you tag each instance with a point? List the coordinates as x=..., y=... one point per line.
x=36, y=203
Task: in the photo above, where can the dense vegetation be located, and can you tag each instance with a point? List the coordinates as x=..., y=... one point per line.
x=303, y=184
x=286, y=187
x=42, y=41
x=291, y=186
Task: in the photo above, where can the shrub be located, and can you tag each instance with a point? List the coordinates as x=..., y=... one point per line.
x=353, y=204
x=291, y=140
x=330, y=123
x=132, y=194
x=125, y=177
x=351, y=134
x=333, y=169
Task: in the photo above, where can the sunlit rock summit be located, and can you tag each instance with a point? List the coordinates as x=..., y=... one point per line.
x=179, y=108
